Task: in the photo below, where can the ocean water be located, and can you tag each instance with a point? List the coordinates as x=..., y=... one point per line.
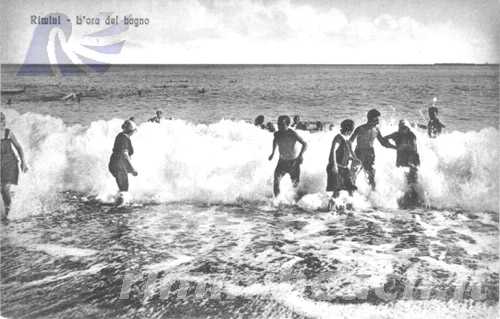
x=206, y=237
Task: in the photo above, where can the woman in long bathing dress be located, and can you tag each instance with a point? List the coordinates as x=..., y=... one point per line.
x=11, y=154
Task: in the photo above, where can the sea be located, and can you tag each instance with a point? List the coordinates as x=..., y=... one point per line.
x=203, y=236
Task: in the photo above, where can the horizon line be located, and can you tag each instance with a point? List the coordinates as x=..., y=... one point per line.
x=255, y=64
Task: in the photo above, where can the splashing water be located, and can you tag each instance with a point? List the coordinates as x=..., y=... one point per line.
x=227, y=162
x=214, y=244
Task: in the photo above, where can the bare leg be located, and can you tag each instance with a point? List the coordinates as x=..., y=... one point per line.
x=370, y=171
x=278, y=175
x=276, y=185
x=7, y=198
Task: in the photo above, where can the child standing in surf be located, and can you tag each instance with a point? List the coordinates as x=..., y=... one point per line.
x=341, y=155
x=289, y=162
x=119, y=163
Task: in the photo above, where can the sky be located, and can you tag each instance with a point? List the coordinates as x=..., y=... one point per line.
x=267, y=32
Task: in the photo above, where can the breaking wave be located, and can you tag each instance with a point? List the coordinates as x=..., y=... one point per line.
x=227, y=162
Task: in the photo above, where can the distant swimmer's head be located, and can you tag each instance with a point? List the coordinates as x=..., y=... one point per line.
x=404, y=126
x=433, y=112
x=346, y=127
x=129, y=127
x=373, y=116
x=2, y=120
x=270, y=127
x=283, y=122
x=259, y=120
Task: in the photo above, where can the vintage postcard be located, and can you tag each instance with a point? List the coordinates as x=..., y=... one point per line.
x=249, y=159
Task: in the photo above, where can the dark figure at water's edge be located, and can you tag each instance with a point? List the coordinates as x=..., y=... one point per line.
x=11, y=154
x=289, y=162
x=365, y=135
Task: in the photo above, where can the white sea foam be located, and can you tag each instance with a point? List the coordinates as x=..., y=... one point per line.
x=63, y=251
x=227, y=161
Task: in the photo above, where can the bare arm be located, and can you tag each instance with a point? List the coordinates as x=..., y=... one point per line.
x=275, y=143
x=20, y=151
x=354, y=135
x=390, y=136
x=333, y=149
x=422, y=126
x=332, y=152
x=384, y=141
x=129, y=162
x=332, y=159
x=303, y=143
x=353, y=155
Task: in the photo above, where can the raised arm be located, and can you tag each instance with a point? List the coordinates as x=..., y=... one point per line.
x=20, y=151
x=391, y=136
x=384, y=141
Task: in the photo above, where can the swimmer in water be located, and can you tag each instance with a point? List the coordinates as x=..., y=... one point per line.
x=11, y=154
x=297, y=124
x=341, y=155
x=289, y=161
x=434, y=126
x=157, y=118
x=270, y=127
x=259, y=122
x=365, y=135
x=119, y=163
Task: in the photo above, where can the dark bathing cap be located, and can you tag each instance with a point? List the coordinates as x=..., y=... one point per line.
x=347, y=125
x=372, y=114
x=284, y=119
